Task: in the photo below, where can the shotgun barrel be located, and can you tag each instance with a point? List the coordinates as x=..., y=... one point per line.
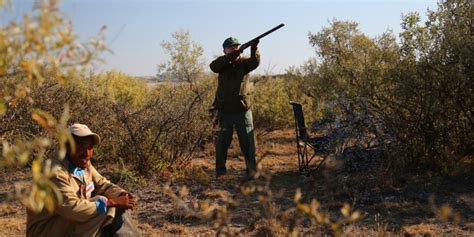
x=249, y=43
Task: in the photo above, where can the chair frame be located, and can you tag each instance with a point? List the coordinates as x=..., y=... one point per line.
x=306, y=150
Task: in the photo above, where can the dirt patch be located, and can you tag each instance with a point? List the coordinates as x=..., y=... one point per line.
x=12, y=226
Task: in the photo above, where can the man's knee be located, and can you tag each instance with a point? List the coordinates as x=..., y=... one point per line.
x=122, y=225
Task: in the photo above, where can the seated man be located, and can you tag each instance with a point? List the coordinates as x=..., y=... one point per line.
x=91, y=205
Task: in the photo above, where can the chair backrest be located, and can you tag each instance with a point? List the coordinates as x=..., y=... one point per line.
x=299, y=120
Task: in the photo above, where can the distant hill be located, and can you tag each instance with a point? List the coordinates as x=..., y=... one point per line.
x=155, y=80
x=152, y=79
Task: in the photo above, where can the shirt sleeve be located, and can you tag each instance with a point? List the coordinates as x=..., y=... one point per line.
x=220, y=63
x=101, y=204
x=103, y=186
x=252, y=62
x=72, y=207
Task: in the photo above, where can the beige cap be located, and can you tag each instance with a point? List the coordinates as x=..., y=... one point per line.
x=82, y=130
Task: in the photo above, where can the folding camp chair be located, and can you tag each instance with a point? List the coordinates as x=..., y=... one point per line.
x=308, y=147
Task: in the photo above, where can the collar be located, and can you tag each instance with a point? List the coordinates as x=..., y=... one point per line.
x=79, y=172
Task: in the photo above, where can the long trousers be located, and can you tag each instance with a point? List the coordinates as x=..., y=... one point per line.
x=243, y=124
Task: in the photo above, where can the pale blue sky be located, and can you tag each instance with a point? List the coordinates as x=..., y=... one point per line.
x=135, y=29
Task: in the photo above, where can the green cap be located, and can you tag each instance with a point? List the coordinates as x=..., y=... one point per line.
x=231, y=41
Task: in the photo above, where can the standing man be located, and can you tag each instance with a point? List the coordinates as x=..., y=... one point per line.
x=91, y=205
x=233, y=103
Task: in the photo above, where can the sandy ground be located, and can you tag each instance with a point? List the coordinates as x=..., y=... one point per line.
x=405, y=206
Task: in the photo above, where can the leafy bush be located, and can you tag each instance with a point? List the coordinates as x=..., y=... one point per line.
x=272, y=95
x=148, y=128
x=410, y=98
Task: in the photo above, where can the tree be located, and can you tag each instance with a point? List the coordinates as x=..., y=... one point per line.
x=415, y=96
x=349, y=79
x=185, y=63
x=436, y=83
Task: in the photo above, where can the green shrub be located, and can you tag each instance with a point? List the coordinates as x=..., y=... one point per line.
x=411, y=98
x=272, y=96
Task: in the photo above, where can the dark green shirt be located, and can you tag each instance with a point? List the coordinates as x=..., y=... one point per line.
x=233, y=94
